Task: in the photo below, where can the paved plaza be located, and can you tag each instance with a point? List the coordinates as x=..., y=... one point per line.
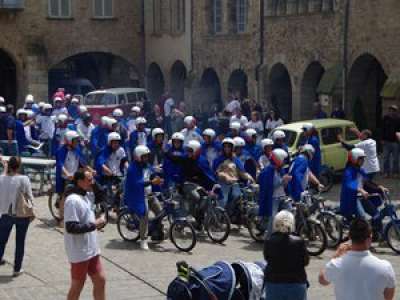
x=132, y=273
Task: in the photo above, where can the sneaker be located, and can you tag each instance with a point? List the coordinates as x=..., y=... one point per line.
x=144, y=245
x=18, y=273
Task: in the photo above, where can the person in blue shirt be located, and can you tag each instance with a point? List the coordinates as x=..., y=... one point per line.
x=138, y=136
x=312, y=138
x=62, y=126
x=272, y=181
x=249, y=163
x=279, y=138
x=251, y=144
x=138, y=187
x=301, y=173
x=121, y=126
x=230, y=171
x=173, y=172
x=98, y=139
x=210, y=147
x=8, y=144
x=22, y=141
x=73, y=108
x=318, y=111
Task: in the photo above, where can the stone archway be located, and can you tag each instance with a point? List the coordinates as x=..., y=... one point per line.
x=311, y=78
x=238, y=83
x=280, y=91
x=366, y=80
x=95, y=70
x=8, y=78
x=211, y=89
x=177, y=83
x=155, y=82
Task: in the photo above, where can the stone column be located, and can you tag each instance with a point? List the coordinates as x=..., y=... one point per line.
x=37, y=77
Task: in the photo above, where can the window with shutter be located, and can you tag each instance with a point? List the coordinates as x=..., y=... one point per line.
x=241, y=15
x=217, y=16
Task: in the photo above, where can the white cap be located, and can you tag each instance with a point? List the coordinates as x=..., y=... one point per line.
x=228, y=141
x=2, y=109
x=110, y=122
x=279, y=155
x=29, y=99
x=74, y=100
x=135, y=109
x=307, y=126
x=278, y=134
x=266, y=142
x=356, y=153
x=308, y=149
x=57, y=99
x=22, y=111
x=41, y=104
x=156, y=131
x=113, y=136
x=118, y=113
x=140, y=120
x=235, y=125
x=178, y=136
x=194, y=145
x=141, y=150
x=209, y=132
x=47, y=106
x=70, y=135
x=2, y=100
x=250, y=132
x=188, y=120
x=239, y=142
x=62, y=117
x=83, y=109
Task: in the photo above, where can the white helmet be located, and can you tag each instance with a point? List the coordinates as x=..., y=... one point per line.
x=156, y=131
x=228, y=141
x=188, y=120
x=278, y=134
x=70, y=135
x=307, y=148
x=62, y=118
x=118, y=113
x=30, y=114
x=57, y=99
x=104, y=120
x=2, y=109
x=41, y=104
x=209, y=132
x=111, y=122
x=234, y=125
x=250, y=132
x=141, y=150
x=29, y=99
x=82, y=109
x=2, y=100
x=266, y=142
x=279, y=156
x=22, y=111
x=47, y=106
x=356, y=153
x=307, y=126
x=239, y=142
x=140, y=120
x=135, y=109
x=113, y=136
x=194, y=145
x=178, y=136
x=74, y=100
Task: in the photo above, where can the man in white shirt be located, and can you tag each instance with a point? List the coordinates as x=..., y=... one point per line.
x=191, y=132
x=355, y=272
x=233, y=104
x=238, y=117
x=80, y=238
x=168, y=107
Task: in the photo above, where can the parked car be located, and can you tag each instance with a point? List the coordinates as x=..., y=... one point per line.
x=334, y=156
x=103, y=102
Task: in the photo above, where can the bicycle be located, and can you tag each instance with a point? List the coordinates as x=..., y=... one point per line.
x=181, y=232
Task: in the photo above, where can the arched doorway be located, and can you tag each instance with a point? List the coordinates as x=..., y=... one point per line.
x=366, y=80
x=238, y=83
x=311, y=78
x=211, y=89
x=81, y=73
x=178, y=77
x=8, y=78
x=155, y=82
x=280, y=91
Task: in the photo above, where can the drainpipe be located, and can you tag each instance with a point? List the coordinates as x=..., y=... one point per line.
x=191, y=35
x=143, y=32
x=261, y=49
x=345, y=52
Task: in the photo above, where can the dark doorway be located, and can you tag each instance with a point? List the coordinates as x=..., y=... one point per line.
x=280, y=91
x=178, y=77
x=238, y=83
x=311, y=78
x=8, y=78
x=211, y=89
x=155, y=83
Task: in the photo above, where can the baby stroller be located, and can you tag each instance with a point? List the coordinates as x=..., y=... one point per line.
x=220, y=281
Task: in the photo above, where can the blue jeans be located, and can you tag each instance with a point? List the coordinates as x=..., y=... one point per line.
x=391, y=156
x=9, y=149
x=21, y=225
x=285, y=291
x=230, y=192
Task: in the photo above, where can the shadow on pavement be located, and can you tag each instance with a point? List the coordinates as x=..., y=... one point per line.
x=4, y=279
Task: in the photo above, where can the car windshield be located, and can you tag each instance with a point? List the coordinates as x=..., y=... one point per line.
x=101, y=99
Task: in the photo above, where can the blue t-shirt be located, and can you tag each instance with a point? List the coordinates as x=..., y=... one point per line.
x=6, y=122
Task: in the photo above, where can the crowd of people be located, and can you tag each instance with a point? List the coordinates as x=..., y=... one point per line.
x=154, y=150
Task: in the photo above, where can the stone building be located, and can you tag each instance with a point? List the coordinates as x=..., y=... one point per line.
x=42, y=40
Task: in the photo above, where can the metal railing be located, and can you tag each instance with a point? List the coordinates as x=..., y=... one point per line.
x=12, y=4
